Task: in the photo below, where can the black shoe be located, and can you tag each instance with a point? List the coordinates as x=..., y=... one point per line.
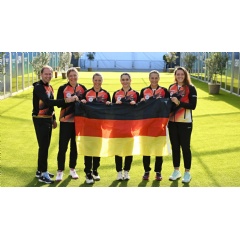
x=158, y=177
x=146, y=176
x=51, y=175
x=39, y=173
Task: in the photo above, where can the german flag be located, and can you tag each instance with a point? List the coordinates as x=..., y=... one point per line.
x=108, y=130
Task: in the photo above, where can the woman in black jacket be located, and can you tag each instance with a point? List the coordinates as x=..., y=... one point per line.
x=184, y=96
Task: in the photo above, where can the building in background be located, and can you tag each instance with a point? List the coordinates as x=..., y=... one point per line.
x=124, y=61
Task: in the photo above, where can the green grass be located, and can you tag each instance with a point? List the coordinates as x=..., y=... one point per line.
x=215, y=141
x=224, y=80
x=17, y=83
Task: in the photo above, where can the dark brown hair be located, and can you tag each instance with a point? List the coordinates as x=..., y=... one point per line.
x=125, y=73
x=187, y=79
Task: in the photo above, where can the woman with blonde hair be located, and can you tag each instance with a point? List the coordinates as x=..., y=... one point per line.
x=67, y=124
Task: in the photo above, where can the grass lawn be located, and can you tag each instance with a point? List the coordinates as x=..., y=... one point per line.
x=215, y=141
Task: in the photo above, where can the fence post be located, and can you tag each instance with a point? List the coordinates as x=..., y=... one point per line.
x=10, y=72
x=23, y=83
x=232, y=73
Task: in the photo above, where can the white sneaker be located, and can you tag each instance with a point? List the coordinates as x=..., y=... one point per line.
x=126, y=175
x=73, y=173
x=186, y=177
x=89, y=178
x=119, y=176
x=175, y=175
x=96, y=176
x=59, y=176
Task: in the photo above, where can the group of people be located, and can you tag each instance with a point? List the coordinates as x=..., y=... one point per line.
x=183, y=96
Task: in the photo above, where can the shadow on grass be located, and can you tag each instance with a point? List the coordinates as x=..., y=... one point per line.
x=119, y=183
x=155, y=183
x=222, y=96
x=143, y=183
x=208, y=171
x=175, y=183
x=35, y=183
x=186, y=185
x=86, y=184
x=123, y=183
x=63, y=183
x=114, y=183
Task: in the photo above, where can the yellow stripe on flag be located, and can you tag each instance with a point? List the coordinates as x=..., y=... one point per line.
x=138, y=145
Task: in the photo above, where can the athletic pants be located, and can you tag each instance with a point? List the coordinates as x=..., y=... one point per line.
x=127, y=163
x=43, y=129
x=66, y=134
x=158, y=163
x=91, y=163
x=180, y=137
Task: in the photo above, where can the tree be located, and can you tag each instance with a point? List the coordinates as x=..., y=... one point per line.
x=65, y=60
x=77, y=55
x=171, y=58
x=39, y=61
x=216, y=64
x=2, y=66
x=188, y=60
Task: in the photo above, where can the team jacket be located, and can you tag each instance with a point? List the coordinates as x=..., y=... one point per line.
x=92, y=96
x=43, y=101
x=66, y=91
x=130, y=95
x=187, y=95
x=148, y=92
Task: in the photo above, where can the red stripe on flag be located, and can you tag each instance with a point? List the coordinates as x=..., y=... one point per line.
x=106, y=128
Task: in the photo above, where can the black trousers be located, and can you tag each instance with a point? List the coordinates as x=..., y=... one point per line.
x=43, y=129
x=119, y=163
x=91, y=163
x=66, y=134
x=180, y=137
x=157, y=166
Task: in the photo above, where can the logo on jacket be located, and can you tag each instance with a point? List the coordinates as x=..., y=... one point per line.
x=68, y=95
